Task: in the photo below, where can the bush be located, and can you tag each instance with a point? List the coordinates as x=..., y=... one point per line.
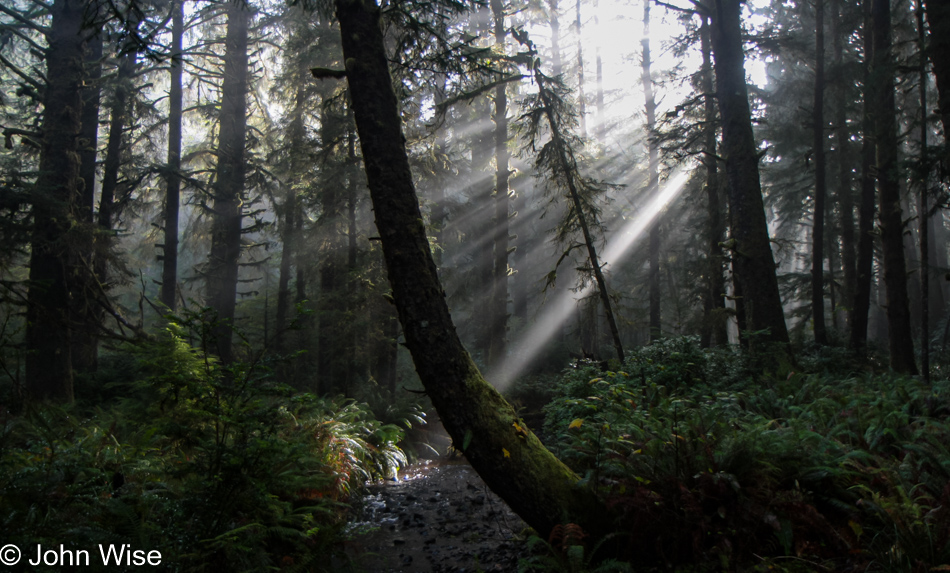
x=705, y=467
x=216, y=469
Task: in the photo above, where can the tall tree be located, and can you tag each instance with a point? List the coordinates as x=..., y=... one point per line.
x=752, y=259
x=49, y=372
x=845, y=195
x=867, y=204
x=884, y=112
x=173, y=168
x=498, y=305
x=653, y=174
x=938, y=17
x=714, y=301
x=228, y=194
x=923, y=210
x=505, y=453
x=818, y=149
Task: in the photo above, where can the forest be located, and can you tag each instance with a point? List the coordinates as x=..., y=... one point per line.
x=672, y=277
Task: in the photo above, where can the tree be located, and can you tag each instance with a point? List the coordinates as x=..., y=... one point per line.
x=498, y=306
x=504, y=452
x=938, y=17
x=752, y=260
x=883, y=113
x=653, y=175
x=222, y=271
x=169, y=293
x=714, y=302
x=818, y=148
x=53, y=265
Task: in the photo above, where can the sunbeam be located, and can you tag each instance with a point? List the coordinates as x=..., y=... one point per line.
x=555, y=312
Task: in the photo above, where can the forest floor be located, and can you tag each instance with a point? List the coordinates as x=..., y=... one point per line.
x=438, y=517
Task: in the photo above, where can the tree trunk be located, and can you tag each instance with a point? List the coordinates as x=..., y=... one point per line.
x=714, y=329
x=845, y=194
x=818, y=148
x=753, y=263
x=555, y=37
x=173, y=175
x=83, y=288
x=581, y=98
x=291, y=207
x=653, y=181
x=923, y=213
x=222, y=273
x=509, y=457
x=498, y=304
x=884, y=113
x=866, y=209
x=49, y=373
x=938, y=17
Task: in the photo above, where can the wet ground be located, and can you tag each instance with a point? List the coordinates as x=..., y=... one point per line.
x=438, y=517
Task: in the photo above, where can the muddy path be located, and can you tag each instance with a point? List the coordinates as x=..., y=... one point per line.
x=438, y=517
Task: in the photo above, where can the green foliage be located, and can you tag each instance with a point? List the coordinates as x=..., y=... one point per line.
x=216, y=469
x=708, y=466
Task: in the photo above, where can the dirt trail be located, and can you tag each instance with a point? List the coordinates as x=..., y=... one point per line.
x=439, y=517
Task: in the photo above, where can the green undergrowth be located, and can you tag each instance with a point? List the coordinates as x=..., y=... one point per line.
x=708, y=467
x=219, y=470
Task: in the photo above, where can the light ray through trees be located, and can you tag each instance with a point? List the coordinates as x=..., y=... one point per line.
x=554, y=313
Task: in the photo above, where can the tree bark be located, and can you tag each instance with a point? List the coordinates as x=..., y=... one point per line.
x=173, y=174
x=653, y=176
x=49, y=373
x=498, y=304
x=222, y=272
x=845, y=193
x=884, y=112
x=508, y=456
x=818, y=149
x=938, y=17
x=714, y=330
x=753, y=263
x=867, y=206
x=923, y=213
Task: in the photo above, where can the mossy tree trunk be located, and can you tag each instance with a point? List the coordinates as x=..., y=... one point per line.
x=509, y=457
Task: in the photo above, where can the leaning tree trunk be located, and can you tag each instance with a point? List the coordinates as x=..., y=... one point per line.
x=753, y=263
x=173, y=174
x=509, y=457
x=818, y=149
x=222, y=272
x=49, y=373
x=884, y=112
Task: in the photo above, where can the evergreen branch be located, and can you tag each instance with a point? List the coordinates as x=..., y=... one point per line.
x=25, y=21
x=699, y=8
x=16, y=70
x=16, y=31
x=472, y=94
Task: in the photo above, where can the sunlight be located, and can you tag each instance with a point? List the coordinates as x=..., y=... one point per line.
x=555, y=312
